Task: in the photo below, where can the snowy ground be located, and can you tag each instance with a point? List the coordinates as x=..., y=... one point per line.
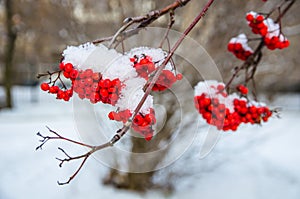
x=255, y=162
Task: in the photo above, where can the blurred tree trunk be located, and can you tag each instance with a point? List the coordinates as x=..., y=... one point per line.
x=9, y=51
x=142, y=181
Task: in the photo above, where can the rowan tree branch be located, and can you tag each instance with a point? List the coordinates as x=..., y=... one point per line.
x=140, y=22
x=144, y=21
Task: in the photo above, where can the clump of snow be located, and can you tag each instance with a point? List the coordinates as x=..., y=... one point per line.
x=257, y=104
x=90, y=56
x=209, y=87
x=274, y=30
x=132, y=94
x=120, y=68
x=157, y=54
x=242, y=39
x=78, y=54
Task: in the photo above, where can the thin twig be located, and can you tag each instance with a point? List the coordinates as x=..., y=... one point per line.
x=58, y=137
x=171, y=22
x=141, y=21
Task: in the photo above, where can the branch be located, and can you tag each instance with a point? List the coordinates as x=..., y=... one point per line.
x=84, y=158
x=141, y=21
x=57, y=137
x=121, y=132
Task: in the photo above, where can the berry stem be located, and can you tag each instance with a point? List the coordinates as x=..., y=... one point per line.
x=141, y=21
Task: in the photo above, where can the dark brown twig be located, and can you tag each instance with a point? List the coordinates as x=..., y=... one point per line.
x=141, y=21
x=57, y=137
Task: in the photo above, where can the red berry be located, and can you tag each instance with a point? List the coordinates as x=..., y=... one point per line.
x=88, y=73
x=74, y=74
x=242, y=89
x=61, y=66
x=179, y=76
x=66, y=74
x=45, y=86
x=53, y=89
x=68, y=67
x=103, y=93
x=111, y=115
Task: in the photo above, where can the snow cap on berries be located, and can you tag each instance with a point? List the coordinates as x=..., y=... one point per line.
x=210, y=88
x=120, y=68
x=157, y=55
x=132, y=94
x=90, y=56
x=242, y=39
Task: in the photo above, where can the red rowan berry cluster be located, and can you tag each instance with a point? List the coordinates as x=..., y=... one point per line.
x=242, y=89
x=276, y=42
x=239, y=47
x=141, y=123
x=145, y=67
x=257, y=23
x=92, y=86
x=120, y=85
x=166, y=80
x=269, y=30
x=227, y=112
x=61, y=93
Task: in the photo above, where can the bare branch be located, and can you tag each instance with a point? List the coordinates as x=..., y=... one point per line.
x=57, y=137
x=141, y=21
x=172, y=21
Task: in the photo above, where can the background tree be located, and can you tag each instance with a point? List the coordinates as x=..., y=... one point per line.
x=9, y=50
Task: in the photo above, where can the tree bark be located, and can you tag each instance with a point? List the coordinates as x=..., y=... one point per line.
x=9, y=52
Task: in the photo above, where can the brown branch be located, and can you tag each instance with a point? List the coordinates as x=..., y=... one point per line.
x=57, y=137
x=69, y=158
x=83, y=156
x=141, y=21
x=171, y=23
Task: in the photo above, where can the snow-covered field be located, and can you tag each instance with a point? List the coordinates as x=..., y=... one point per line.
x=255, y=162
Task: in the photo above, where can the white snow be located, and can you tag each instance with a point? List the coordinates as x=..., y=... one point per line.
x=242, y=39
x=88, y=55
x=132, y=94
x=209, y=87
x=254, y=162
x=157, y=54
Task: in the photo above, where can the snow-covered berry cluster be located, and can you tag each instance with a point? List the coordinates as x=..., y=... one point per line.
x=227, y=112
x=239, y=47
x=269, y=31
x=145, y=67
x=274, y=39
x=118, y=80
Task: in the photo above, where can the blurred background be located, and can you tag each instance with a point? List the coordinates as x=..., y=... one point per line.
x=248, y=164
